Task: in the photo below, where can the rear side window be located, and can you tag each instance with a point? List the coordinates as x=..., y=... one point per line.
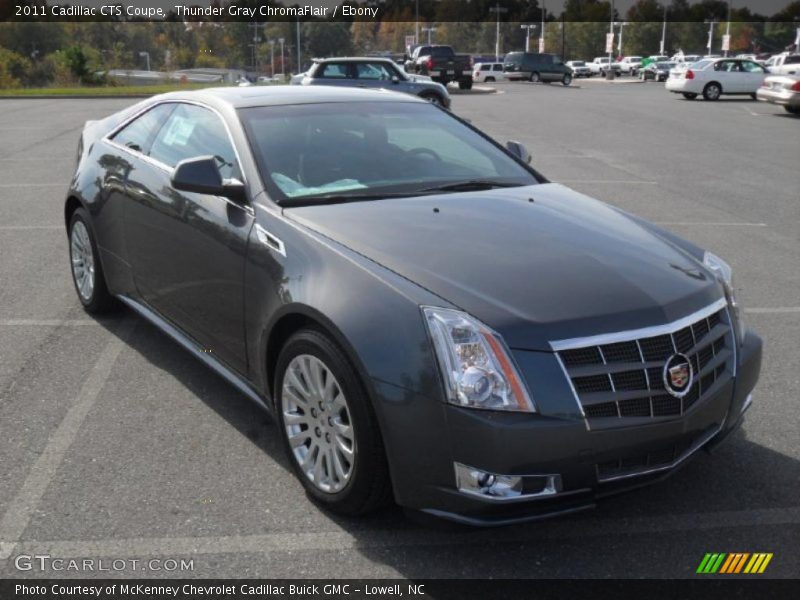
x=334, y=71
x=193, y=131
x=497, y=67
x=792, y=60
x=485, y=67
x=139, y=133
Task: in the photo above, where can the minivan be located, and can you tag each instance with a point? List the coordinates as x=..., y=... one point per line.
x=536, y=67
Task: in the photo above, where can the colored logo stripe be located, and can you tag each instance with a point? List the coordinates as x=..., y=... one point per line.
x=735, y=562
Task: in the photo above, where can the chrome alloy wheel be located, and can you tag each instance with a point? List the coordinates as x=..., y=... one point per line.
x=318, y=424
x=82, y=260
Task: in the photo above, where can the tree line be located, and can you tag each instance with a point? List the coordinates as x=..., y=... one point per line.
x=34, y=54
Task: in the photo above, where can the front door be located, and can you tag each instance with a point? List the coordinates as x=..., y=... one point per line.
x=187, y=250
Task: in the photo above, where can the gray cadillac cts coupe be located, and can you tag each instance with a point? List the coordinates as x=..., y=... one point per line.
x=425, y=315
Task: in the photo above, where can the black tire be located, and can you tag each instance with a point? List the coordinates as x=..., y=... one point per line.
x=753, y=96
x=98, y=300
x=794, y=110
x=689, y=95
x=433, y=98
x=488, y=80
x=567, y=79
x=535, y=77
x=712, y=91
x=368, y=486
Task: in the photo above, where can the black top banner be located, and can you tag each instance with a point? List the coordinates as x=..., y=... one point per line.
x=439, y=11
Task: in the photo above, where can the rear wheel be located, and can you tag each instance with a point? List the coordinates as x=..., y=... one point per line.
x=535, y=77
x=567, y=79
x=489, y=79
x=87, y=272
x=712, y=91
x=328, y=427
x=795, y=110
x=689, y=95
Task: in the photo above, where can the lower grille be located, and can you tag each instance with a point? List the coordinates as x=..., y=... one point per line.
x=625, y=375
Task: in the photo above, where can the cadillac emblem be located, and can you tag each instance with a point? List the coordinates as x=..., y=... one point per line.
x=678, y=375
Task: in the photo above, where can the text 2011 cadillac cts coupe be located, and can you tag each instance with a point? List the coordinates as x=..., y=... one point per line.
x=428, y=318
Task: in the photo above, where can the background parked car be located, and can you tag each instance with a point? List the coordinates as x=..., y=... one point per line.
x=374, y=73
x=441, y=64
x=630, y=64
x=784, y=64
x=488, y=72
x=599, y=66
x=536, y=67
x=656, y=71
x=714, y=77
x=579, y=68
x=783, y=90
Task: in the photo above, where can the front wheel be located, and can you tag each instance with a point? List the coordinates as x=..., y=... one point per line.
x=689, y=95
x=794, y=110
x=535, y=77
x=489, y=79
x=87, y=271
x=712, y=91
x=328, y=426
x=567, y=79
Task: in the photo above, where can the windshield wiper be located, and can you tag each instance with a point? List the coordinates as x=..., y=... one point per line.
x=352, y=197
x=471, y=185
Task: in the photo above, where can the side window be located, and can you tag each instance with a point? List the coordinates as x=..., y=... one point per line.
x=193, y=131
x=752, y=67
x=334, y=71
x=138, y=134
x=497, y=67
x=485, y=67
x=376, y=71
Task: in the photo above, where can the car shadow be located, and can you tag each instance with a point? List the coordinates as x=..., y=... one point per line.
x=739, y=476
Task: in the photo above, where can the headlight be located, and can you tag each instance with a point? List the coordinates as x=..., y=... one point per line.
x=724, y=273
x=478, y=371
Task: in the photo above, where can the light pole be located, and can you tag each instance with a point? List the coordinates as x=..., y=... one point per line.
x=429, y=30
x=497, y=10
x=541, y=34
x=416, y=24
x=728, y=31
x=283, y=68
x=146, y=55
x=711, y=23
x=610, y=44
x=272, y=58
x=527, y=29
x=619, y=42
x=298, y=45
x=663, y=32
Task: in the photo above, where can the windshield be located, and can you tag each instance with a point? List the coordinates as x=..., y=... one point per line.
x=340, y=151
x=702, y=64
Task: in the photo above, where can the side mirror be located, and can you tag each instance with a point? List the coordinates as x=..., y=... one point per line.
x=518, y=150
x=201, y=175
x=395, y=79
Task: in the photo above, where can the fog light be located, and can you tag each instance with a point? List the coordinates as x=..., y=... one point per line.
x=474, y=481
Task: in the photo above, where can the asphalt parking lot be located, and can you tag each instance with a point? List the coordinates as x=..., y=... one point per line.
x=116, y=444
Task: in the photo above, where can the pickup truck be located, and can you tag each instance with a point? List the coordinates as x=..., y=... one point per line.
x=599, y=66
x=784, y=64
x=441, y=64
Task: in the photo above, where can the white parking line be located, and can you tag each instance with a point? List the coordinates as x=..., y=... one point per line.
x=29, y=227
x=712, y=223
x=22, y=506
x=637, y=181
x=47, y=322
x=412, y=537
x=19, y=185
x=777, y=310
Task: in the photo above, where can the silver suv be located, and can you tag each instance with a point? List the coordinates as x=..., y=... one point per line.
x=374, y=73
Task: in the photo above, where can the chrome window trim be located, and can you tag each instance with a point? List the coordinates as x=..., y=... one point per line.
x=635, y=334
x=108, y=137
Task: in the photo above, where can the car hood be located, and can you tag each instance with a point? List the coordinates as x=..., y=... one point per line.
x=537, y=263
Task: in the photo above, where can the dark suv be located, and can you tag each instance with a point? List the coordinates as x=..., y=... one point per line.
x=536, y=67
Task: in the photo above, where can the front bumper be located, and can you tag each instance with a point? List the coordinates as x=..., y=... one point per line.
x=540, y=445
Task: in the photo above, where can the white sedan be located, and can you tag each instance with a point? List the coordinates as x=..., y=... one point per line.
x=714, y=77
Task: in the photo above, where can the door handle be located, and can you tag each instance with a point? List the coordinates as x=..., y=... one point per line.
x=269, y=240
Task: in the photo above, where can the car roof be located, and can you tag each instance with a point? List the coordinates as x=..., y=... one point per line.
x=283, y=95
x=354, y=59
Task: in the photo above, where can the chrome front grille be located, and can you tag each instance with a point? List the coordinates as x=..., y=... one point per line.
x=618, y=377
